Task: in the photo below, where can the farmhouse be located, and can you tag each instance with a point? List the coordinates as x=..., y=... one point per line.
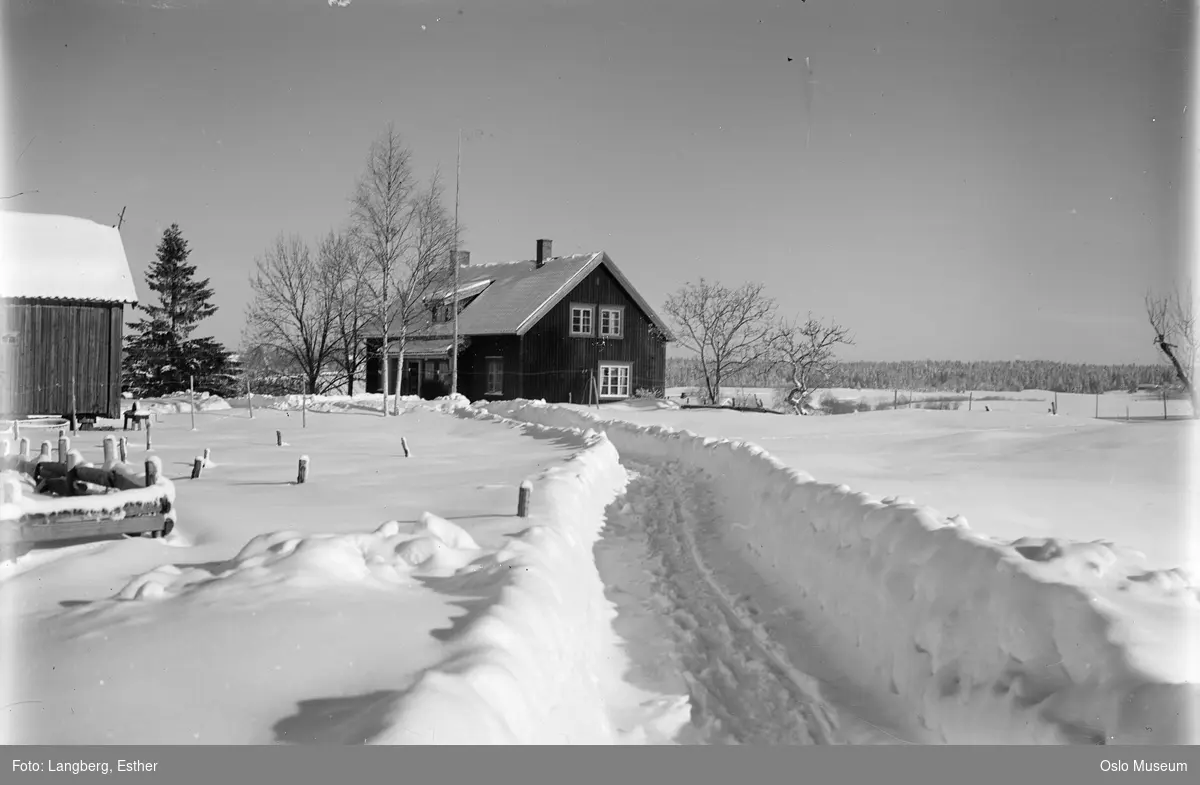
x=64, y=283
x=570, y=328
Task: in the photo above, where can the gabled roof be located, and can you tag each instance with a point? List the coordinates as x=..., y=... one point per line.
x=519, y=294
x=57, y=257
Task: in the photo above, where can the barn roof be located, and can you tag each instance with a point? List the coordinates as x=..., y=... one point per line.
x=58, y=257
x=514, y=296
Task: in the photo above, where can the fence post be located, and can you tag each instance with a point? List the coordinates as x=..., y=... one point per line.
x=151, y=472
x=64, y=446
x=197, y=467
x=24, y=452
x=44, y=455
x=148, y=440
x=304, y=411
x=970, y=400
x=404, y=446
x=895, y=399
x=1164, y=404
x=249, y=398
x=302, y=470
x=278, y=438
x=123, y=449
x=523, y=499
x=207, y=453
x=110, y=449
x=1097, y=406
x=192, y=399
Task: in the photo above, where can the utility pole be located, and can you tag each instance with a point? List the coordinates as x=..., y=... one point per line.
x=121, y=219
x=454, y=263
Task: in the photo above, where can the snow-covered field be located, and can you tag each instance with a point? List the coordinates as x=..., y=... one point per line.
x=665, y=585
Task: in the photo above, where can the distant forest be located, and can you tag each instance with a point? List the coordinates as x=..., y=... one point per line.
x=951, y=375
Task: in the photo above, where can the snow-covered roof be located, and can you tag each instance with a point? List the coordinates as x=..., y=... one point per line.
x=58, y=257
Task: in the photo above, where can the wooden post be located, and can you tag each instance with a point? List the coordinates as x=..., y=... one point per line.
x=1097, y=406
x=304, y=411
x=207, y=453
x=149, y=442
x=1056, y=402
x=192, y=399
x=24, y=451
x=249, y=398
x=64, y=446
x=523, y=499
x=278, y=438
x=302, y=470
x=17, y=430
x=74, y=410
x=197, y=467
x=123, y=449
x=44, y=455
x=970, y=400
x=895, y=399
x=73, y=459
x=62, y=432
x=151, y=472
x=1164, y=404
x=1126, y=414
x=110, y=449
x=404, y=446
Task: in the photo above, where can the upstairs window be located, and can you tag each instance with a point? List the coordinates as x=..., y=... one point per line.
x=582, y=318
x=612, y=321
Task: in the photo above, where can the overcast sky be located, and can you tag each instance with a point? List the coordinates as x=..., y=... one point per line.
x=953, y=179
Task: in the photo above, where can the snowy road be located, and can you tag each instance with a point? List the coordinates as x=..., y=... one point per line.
x=696, y=621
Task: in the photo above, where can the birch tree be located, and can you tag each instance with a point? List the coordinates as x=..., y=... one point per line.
x=1174, y=324
x=391, y=217
x=346, y=274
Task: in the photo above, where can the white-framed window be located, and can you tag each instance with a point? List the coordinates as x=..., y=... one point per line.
x=612, y=321
x=614, y=380
x=494, y=376
x=583, y=319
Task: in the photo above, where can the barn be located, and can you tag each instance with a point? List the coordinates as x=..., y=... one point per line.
x=562, y=329
x=64, y=284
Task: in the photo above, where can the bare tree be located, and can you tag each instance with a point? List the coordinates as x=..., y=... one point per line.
x=390, y=218
x=806, y=350
x=728, y=329
x=291, y=308
x=345, y=273
x=1173, y=321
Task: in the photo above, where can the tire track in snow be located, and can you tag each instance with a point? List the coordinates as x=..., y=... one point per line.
x=742, y=689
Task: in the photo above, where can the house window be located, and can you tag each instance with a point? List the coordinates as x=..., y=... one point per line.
x=495, y=376
x=581, y=319
x=612, y=322
x=614, y=380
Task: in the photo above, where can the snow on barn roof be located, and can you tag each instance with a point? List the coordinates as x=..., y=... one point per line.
x=58, y=257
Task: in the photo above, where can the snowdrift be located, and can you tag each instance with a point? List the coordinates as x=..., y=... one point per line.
x=981, y=640
x=179, y=403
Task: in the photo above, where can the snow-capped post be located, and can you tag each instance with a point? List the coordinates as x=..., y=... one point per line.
x=192, y=399
x=44, y=455
x=74, y=458
x=197, y=467
x=64, y=446
x=207, y=453
x=302, y=470
x=278, y=438
x=404, y=446
x=62, y=432
x=523, y=499
x=24, y=451
x=123, y=449
x=152, y=466
x=110, y=449
x=148, y=441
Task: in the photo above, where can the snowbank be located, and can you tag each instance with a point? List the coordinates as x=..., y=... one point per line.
x=542, y=665
x=181, y=403
x=982, y=640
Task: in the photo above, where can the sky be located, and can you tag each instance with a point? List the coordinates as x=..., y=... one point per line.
x=951, y=179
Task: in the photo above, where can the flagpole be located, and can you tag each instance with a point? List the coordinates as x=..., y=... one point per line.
x=454, y=263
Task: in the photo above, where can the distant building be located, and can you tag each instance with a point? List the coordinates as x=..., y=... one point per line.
x=569, y=328
x=64, y=284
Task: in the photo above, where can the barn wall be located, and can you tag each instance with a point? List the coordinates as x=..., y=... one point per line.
x=46, y=344
x=557, y=366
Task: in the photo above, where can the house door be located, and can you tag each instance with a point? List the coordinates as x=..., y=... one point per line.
x=411, y=384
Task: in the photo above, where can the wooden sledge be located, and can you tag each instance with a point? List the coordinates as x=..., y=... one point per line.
x=76, y=500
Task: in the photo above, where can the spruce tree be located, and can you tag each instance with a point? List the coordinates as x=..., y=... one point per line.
x=160, y=354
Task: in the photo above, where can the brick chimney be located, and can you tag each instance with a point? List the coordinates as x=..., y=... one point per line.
x=464, y=258
x=543, y=252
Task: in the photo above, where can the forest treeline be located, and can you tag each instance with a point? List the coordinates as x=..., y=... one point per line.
x=949, y=375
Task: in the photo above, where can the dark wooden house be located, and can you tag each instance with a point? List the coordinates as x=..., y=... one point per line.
x=64, y=284
x=565, y=329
